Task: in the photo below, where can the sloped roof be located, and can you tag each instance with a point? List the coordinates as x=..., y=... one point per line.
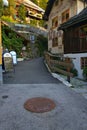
x=77, y=19
x=30, y=4
x=48, y=9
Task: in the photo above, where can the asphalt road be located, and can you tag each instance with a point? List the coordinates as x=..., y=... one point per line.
x=29, y=72
x=70, y=112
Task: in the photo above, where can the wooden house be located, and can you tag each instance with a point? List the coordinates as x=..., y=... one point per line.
x=75, y=40
x=33, y=10
x=56, y=13
x=59, y=12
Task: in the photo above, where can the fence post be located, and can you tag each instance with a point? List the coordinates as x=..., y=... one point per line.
x=68, y=69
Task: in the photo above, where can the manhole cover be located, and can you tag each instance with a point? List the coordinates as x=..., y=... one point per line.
x=39, y=105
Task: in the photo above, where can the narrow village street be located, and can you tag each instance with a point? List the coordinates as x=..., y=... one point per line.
x=32, y=79
x=29, y=72
x=43, y=65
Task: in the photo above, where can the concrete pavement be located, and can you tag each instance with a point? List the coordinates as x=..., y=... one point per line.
x=29, y=72
x=70, y=112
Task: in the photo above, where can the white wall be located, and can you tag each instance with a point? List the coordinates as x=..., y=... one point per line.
x=77, y=62
x=80, y=6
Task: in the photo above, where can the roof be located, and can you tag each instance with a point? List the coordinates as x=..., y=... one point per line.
x=30, y=4
x=82, y=16
x=48, y=9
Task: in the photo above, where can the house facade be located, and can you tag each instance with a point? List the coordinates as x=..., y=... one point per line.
x=75, y=40
x=33, y=11
x=60, y=12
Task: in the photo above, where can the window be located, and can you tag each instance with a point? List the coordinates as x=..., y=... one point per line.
x=83, y=62
x=83, y=32
x=55, y=42
x=83, y=38
x=65, y=16
x=55, y=22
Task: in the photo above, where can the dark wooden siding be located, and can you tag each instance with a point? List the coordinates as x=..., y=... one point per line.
x=72, y=41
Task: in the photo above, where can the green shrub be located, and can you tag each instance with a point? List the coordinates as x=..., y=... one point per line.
x=8, y=19
x=74, y=71
x=11, y=40
x=85, y=72
x=42, y=44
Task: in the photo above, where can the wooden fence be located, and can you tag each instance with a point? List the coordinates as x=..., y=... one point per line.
x=59, y=64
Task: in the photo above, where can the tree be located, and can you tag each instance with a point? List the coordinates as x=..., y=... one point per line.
x=22, y=12
x=35, y=1
x=11, y=8
x=42, y=4
x=11, y=40
x=1, y=8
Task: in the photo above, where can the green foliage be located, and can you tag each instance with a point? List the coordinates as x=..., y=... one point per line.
x=1, y=7
x=22, y=12
x=43, y=3
x=74, y=71
x=35, y=1
x=85, y=72
x=9, y=12
x=8, y=19
x=6, y=11
x=11, y=7
x=41, y=44
x=41, y=23
x=11, y=40
x=33, y=22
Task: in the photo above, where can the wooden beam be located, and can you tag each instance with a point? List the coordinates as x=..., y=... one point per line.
x=62, y=63
x=62, y=71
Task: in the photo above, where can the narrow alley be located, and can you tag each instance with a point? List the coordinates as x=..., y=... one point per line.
x=29, y=72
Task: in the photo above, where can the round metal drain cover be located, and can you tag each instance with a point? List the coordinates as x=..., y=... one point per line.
x=39, y=105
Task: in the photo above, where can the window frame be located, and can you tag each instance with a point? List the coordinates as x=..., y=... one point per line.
x=55, y=22
x=83, y=62
x=64, y=15
x=55, y=42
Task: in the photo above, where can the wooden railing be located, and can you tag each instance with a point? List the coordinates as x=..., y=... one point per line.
x=59, y=64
